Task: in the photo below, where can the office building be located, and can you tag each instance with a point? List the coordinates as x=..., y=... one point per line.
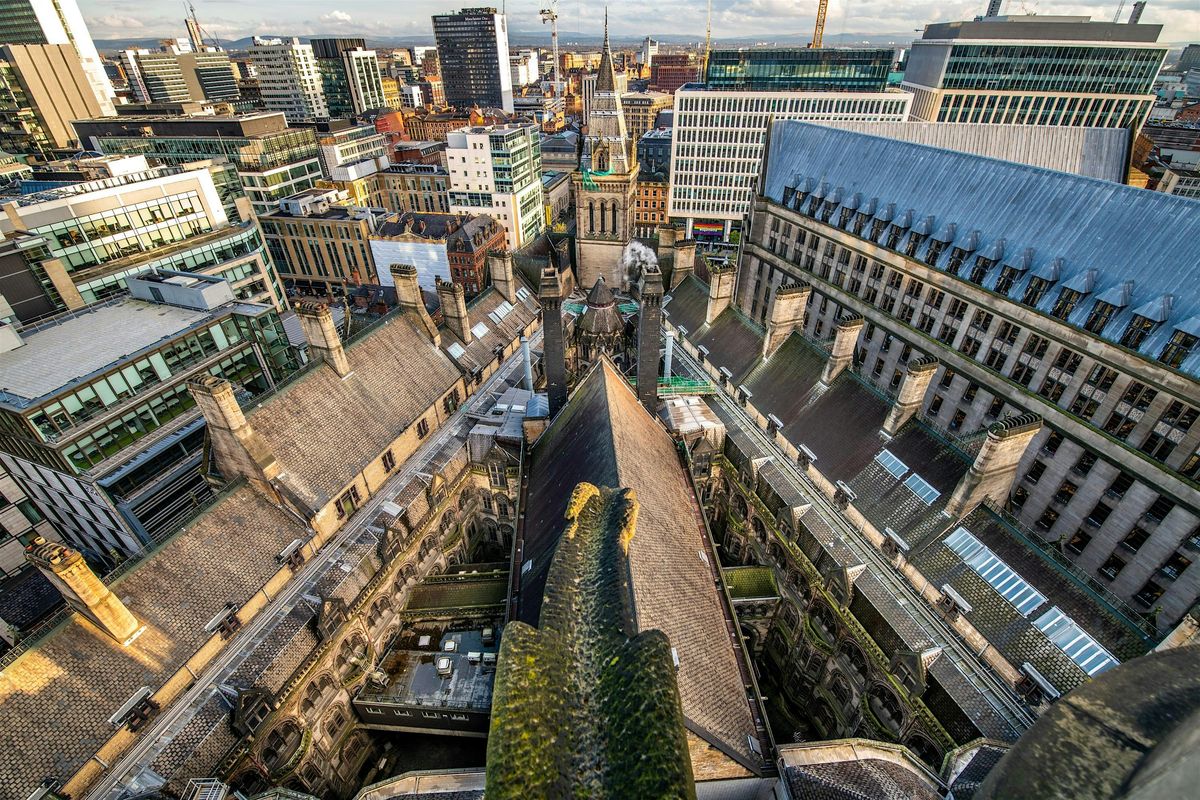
x=472, y=48
x=672, y=70
x=350, y=77
x=413, y=187
x=42, y=89
x=605, y=185
x=20, y=522
x=496, y=170
x=649, y=51
x=560, y=152
x=654, y=181
x=800, y=69
x=1033, y=291
x=209, y=75
x=155, y=76
x=57, y=22
x=1180, y=181
x=654, y=153
x=270, y=159
x=718, y=140
x=548, y=111
x=288, y=79
x=1035, y=70
x=318, y=242
x=81, y=241
x=108, y=443
x=525, y=69
x=641, y=110
x=350, y=156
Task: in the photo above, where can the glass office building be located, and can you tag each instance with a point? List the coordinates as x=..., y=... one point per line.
x=782, y=69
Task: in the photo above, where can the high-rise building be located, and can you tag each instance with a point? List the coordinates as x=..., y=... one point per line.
x=270, y=159
x=288, y=79
x=350, y=77
x=351, y=155
x=717, y=146
x=524, y=66
x=496, y=170
x=155, y=76
x=587, y=89
x=472, y=48
x=806, y=69
x=42, y=89
x=57, y=22
x=1035, y=70
x=209, y=75
x=605, y=185
x=649, y=51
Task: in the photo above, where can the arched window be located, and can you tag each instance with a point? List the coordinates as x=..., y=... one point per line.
x=591, y=216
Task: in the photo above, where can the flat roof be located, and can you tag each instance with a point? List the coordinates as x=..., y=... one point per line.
x=412, y=667
x=1047, y=28
x=77, y=345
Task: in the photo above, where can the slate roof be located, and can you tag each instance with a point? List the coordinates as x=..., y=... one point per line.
x=605, y=437
x=865, y=779
x=306, y=426
x=27, y=598
x=481, y=350
x=732, y=340
x=1083, y=233
x=55, y=700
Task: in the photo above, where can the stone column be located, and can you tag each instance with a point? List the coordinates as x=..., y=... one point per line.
x=553, y=353
x=324, y=344
x=787, y=315
x=82, y=590
x=409, y=298
x=845, y=337
x=720, y=291
x=500, y=265
x=992, y=474
x=649, y=332
x=917, y=378
x=454, y=309
x=238, y=448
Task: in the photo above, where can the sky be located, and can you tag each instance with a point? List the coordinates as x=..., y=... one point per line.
x=629, y=19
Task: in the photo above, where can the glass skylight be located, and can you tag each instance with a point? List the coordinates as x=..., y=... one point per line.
x=1011, y=586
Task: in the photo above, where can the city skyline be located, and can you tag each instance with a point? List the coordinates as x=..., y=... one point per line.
x=112, y=19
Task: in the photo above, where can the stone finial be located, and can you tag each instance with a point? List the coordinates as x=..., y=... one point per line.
x=500, y=266
x=410, y=299
x=917, y=377
x=238, y=448
x=788, y=307
x=995, y=468
x=721, y=280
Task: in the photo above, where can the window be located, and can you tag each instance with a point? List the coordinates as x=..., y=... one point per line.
x=1047, y=520
x=1079, y=542
x=1179, y=348
x=1098, y=515
x=1174, y=566
x=935, y=405
x=996, y=408
x=1135, y=539
x=1137, y=332
x=1085, y=463
x=422, y=428
x=1065, y=492
x=1053, y=442
x=893, y=465
x=1036, y=346
x=1036, y=470
x=1111, y=568
x=1159, y=509
x=1065, y=304
x=497, y=475
x=1101, y=377
x=1073, y=640
x=1036, y=291
x=1001, y=577
x=1148, y=595
x=389, y=461
x=1101, y=314
x=947, y=378
x=1119, y=486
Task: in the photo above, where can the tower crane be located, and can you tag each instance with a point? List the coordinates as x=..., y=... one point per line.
x=819, y=28
x=551, y=15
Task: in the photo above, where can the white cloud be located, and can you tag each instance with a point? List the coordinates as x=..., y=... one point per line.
x=336, y=17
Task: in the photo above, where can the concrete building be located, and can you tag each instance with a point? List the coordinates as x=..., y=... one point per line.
x=1035, y=70
x=641, y=110
x=289, y=79
x=799, y=69
x=1180, y=181
x=271, y=160
x=81, y=241
x=42, y=89
x=1047, y=318
x=525, y=69
x=560, y=152
x=718, y=139
x=318, y=242
x=351, y=156
x=350, y=76
x=57, y=22
x=496, y=170
x=413, y=187
x=209, y=75
x=155, y=76
x=472, y=48
x=654, y=181
x=108, y=444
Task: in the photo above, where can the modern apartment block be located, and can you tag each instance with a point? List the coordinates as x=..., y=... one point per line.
x=42, y=89
x=351, y=155
x=97, y=425
x=800, y=69
x=289, y=79
x=57, y=22
x=1035, y=70
x=272, y=160
x=1030, y=291
x=350, y=77
x=210, y=75
x=472, y=48
x=82, y=241
x=717, y=146
x=155, y=76
x=496, y=170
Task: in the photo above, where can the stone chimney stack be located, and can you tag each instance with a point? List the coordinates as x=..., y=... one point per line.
x=454, y=309
x=720, y=291
x=844, y=339
x=82, y=590
x=992, y=474
x=410, y=299
x=911, y=395
x=324, y=344
x=238, y=448
x=500, y=265
x=787, y=315
x=684, y=263
x=649, y=334
x=553, y=353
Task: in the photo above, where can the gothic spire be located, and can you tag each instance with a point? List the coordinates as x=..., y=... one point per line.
x=606, y=79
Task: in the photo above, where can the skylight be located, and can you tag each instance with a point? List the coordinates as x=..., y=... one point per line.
x=501, y=311
x=522, y=293
x=480, y=330
x=455, y=350
x=1075, y=642
x=1011, y=586
x=921, y=488
x=888, y=461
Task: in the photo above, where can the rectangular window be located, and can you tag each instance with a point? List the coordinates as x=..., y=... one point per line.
x=389, y=461
x=422, y=429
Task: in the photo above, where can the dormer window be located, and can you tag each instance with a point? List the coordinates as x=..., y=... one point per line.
x=978, y=272
x=1138, y=330
x=894, y=235
x=814, y=203
x=915, y=240
x=1102, y=314
x=935, y=250
x=844, y=218
x=1008, y=278
x=1179, y=348
x=1035, y=291
x=877, y=230
x=957, y=257
x=860, y=222
x=1067, y=300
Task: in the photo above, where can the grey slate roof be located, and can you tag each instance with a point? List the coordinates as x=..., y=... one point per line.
x=1071, y=223
x=866, y=779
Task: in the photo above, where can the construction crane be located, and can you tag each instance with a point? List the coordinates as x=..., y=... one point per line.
x=819, y=28
x=551, y=15
x=1136, y=15
x=1120, y=8
x=703, y=76
x=195, y=32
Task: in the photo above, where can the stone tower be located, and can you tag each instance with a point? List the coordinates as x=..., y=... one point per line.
x=605, y=184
